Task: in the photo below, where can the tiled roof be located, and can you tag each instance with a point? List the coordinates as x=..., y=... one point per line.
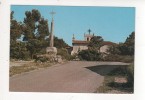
x=108, y=43
x=86, y=42
x=80, y=42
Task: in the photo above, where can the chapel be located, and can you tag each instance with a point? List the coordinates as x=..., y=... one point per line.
x=78, y=45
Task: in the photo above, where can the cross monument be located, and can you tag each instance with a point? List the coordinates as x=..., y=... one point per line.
x=52, y=30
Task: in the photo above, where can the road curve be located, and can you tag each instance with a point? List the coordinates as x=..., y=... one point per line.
x=73, y=76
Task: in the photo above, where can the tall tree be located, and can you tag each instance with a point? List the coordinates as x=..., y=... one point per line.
x=59, y=43
x=129, y=43
x=31, y=21
x=15, y=28
x=43, y=29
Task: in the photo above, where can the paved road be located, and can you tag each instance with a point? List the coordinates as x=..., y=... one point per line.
x=73, y=76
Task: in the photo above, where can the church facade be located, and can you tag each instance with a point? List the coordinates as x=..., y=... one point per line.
x=78, y=45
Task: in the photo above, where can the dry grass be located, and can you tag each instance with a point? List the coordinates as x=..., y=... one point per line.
x=111, y=86
x=28, y=67
x=104, y=88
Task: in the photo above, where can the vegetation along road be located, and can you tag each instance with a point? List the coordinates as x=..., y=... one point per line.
x=73, y=76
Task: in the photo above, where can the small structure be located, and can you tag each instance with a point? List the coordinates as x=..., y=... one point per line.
x=51, y=51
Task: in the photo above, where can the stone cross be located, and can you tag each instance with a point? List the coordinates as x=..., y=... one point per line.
x=89, y=31
x=52, y=30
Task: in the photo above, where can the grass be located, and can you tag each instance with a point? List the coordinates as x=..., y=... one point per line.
x=28, y=67
x=104, y=88
x=109, y=83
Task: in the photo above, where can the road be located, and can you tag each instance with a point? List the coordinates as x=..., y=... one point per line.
x=73, y=76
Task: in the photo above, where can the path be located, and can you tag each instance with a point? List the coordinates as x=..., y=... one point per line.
x=74, y=76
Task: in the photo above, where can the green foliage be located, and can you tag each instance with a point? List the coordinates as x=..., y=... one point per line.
x=41, y=59
x=126, y=48
x=18, y=50
x=95, y=42
x=92, y=54
x=15, y=26
x=123, y=52
x=12, y=15
x=114, y=49
x=36, y=46
x=119, y=58
x=43, y=29
x=35, y=29
x=120, y=71
x=129, y=43
x=64, y=53
x=130, y=74
x=59, y=43
x=89, y=55
x=31, y=20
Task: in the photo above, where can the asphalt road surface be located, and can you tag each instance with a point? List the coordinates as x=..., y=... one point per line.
x=73, y=76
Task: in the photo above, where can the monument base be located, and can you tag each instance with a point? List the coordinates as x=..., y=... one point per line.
x=51, y=55
x=52, y=51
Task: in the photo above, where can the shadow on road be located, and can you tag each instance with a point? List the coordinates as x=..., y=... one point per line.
x=104, y=69
x=110, y=72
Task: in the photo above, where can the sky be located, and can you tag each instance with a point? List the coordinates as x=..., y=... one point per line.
x=114, y=24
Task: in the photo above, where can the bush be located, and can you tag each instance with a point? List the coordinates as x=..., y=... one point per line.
x=130, y=74
x=64, y=53
x=119, y=58
x=89, y=55
x=19, y=51
x=41, y=59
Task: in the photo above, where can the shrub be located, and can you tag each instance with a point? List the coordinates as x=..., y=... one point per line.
x=89, y=55
x=64, y=53
x=130, y=74
x=41, y=59
x=119, y=58
x=19, y=51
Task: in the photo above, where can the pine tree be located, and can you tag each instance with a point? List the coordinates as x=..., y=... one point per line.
x=15, y=27
x=31, y=20
x=43, y=29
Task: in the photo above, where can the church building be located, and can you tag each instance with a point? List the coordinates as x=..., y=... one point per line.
x=79, y=45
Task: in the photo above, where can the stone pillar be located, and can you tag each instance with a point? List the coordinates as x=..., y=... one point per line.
x=51, y=34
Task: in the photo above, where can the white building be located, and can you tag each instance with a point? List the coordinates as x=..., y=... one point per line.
x=79, y=45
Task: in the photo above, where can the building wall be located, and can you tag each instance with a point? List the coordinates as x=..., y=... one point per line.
x=76, y=48
x=104, y=49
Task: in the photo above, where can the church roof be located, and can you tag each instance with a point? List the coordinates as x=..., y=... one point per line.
x=80, y=42
x=86, y=42
x=108, y=43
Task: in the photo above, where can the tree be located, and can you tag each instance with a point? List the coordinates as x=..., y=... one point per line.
x=114, y=49
x=59, y=43
x=130, y=42
x=95, y=42
x=43, y=29
x=89, y=55
x=31, y=20
x=64, y=53
x=19, y=50
x=34, y=46
x=127, y=48
x=35, y=29
x=15, y=27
